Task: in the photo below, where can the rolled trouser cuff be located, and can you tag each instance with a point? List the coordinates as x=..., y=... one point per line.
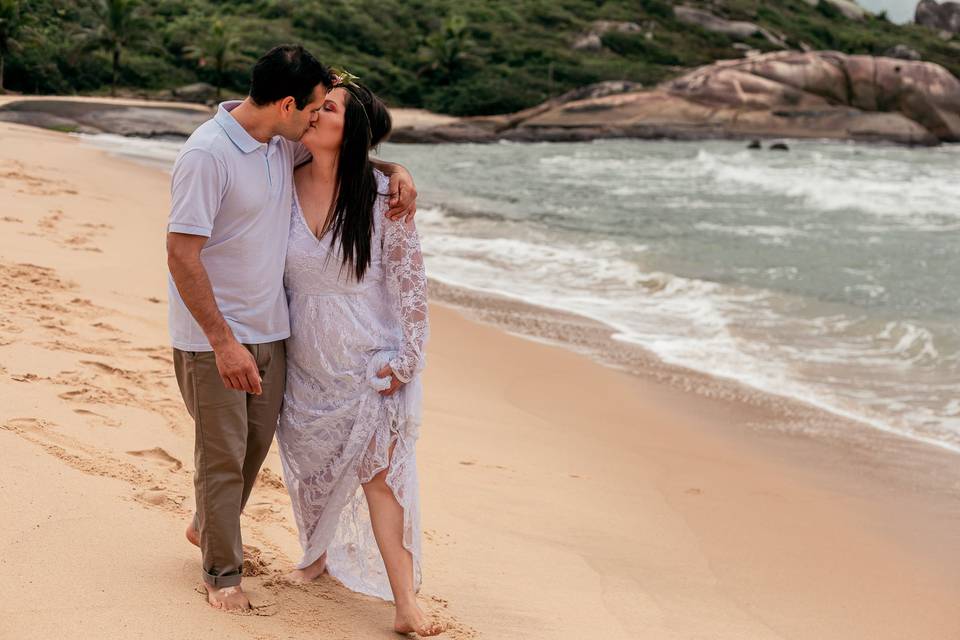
x=219, y=582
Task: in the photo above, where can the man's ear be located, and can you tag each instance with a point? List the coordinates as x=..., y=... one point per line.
x=288, y=105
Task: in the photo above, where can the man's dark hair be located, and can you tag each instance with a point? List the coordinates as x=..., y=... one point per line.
x=287, y=70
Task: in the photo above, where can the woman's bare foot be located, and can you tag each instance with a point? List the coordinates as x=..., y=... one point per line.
x=311, y=572
x=227, y=598
x=193, y=536
x=411, y=619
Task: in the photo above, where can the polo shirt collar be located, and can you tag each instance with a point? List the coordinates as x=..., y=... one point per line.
x=234, y=130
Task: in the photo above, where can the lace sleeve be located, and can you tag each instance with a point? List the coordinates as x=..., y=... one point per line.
x=407, y=284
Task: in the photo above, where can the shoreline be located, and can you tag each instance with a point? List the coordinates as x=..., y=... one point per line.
x=596, y=339
x=558, y=493
x=147, y=119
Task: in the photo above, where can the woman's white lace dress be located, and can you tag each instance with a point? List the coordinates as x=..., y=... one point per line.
x=335, y=430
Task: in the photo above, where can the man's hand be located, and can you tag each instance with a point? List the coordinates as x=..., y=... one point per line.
x=403, y=195
x=238, y=368
x=236, y=365
x=387, y=372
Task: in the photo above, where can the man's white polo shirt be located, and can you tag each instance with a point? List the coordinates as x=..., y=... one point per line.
x=237, y=192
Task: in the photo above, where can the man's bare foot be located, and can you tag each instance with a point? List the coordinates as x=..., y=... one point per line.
x=311, y=572
x=411, y=619
x=227, y=598
x=193, y=536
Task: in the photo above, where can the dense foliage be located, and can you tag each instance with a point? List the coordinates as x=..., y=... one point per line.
x=453, y=56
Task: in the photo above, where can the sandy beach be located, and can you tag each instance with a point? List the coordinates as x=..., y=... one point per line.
x=561, y=498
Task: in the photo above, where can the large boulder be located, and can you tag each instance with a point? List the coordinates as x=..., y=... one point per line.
x=848, y=8
x=736, y=29
x=923, y=92
x=903, y=52
x=90, y=116
x=589, y=92
x=196, y=92
x=592, y=39
x=940, y=16
x=661, y=114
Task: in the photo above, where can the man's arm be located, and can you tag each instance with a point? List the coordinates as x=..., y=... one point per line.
x=236, y=365
x=403, y=193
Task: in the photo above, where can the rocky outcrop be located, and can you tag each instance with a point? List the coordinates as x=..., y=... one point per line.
x=903, y=52
x=736, y=29
x=589, y=92
x=833, y=87
x=848, y=8
x=940, y=16
x=592, y=40
x=488, y=128
x=84, y=116
x=822, y=94
x=196, y=92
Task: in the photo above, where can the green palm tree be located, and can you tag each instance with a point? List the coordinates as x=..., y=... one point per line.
x=217, y=48
x=10, y=22
x=120, y=23
x=448, y=50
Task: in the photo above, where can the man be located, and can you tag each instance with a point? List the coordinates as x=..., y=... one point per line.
x=226, y=243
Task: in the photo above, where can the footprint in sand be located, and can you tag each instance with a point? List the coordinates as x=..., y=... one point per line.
x=35, y=185
x=84, y=303
x=57, y=326
x=106, y=368
x=73, y=452
x=261, y=511
x=255, y=561
x=44, y=278
x=81, y=243
x=160, y=496
x=110, y=422
x=270, y=478
x=158, y=456
x=60, y=345
x=472, y=463
x=91, y=460
x=21, y=425
x=259, y=606
x=437, y=538
x=51, y=222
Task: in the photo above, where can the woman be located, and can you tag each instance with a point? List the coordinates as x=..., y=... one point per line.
x=356, y=289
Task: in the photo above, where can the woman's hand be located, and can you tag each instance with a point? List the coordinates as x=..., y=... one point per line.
x=387, y=372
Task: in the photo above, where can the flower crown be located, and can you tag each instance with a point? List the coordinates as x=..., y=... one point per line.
x=345, y=79
x=342, y=77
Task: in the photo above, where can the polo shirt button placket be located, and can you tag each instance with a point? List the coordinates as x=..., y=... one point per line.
x=265, y=148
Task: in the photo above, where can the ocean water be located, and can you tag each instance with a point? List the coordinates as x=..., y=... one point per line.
x=830, y=273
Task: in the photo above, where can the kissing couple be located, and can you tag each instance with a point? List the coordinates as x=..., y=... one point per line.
x=298, y=306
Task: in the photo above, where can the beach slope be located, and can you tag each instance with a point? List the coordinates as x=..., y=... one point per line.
x=560, y=498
